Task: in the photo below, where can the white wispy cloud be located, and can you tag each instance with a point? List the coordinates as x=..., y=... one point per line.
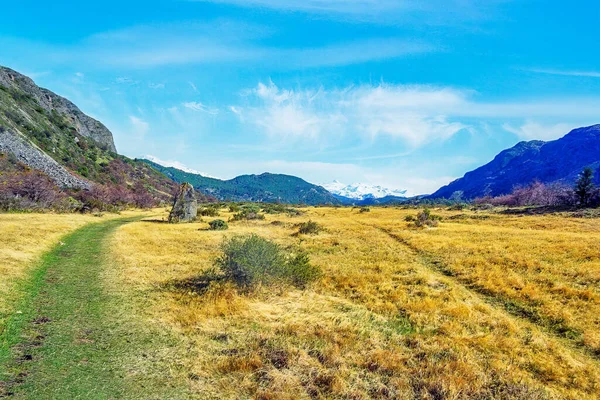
x=156, y=85
x=139, y=127
x=197, y=106
x=534, y=130
x=405, y=113
x=356, y=52
x=149, y=46
x=387, y=11
x=415, y=115
x=559, y=72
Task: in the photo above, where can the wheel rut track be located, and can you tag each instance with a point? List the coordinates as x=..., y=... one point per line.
x=556, y=328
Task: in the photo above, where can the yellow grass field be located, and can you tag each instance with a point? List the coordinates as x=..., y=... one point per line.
x=482, y=306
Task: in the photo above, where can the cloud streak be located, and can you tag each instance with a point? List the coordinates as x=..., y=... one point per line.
x=586, y=74
x=197, y=106
x=432, y=12
x=210, y=43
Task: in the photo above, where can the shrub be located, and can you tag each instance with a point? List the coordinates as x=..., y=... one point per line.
x=294, y=212
x=234, y=208
x=457, y=207
x=310, y=228
x=364, y=209
x=208, y=212
x=250, y=212
x=425, y=218
x=252, y=260
x=535, y=194
x=218, y=225
x=274, y=208
x=410, y=218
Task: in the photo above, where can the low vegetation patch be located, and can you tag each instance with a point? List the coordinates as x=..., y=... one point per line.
x=210, y=211
x=218, y=225
x=281, y=209
x=248, y=213
x=310, y=228
x=250, y=261
x=365, y=209
x=424, y=219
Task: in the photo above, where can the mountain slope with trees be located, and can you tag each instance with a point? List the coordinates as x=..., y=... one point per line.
x=268, y=188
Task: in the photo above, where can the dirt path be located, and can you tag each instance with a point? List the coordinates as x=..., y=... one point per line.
x=73, y=338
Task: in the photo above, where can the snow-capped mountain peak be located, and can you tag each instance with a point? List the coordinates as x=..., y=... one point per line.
x=362, y=191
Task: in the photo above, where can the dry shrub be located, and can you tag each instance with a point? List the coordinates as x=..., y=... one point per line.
x=252, y=260
x=310, y=228
x=426, y=219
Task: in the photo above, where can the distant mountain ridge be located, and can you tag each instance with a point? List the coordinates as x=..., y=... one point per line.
x=557, y=161
x=268, y=188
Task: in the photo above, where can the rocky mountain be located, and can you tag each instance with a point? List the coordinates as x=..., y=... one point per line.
x=557, y=161
x=268, y=188
x=23, y=89
x=45, y=132
x=362, y=191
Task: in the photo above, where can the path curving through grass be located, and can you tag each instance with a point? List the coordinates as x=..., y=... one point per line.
x=75, y=337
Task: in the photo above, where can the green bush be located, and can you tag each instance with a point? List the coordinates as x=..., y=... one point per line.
x=364, y=209
x=251, y=212
x=274, y=208
x=234, y=208
x=252, y=260
x=218, y=225
x=208, y=212
x=425, y=218
x=310, y=228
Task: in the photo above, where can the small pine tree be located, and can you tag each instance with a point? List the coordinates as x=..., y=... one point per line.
x=584, y=188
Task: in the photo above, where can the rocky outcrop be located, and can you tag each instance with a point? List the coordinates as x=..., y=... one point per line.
x=33, y=157
x=49, y=101
x=185, y=206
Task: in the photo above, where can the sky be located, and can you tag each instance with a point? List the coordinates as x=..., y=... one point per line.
x=405, y=94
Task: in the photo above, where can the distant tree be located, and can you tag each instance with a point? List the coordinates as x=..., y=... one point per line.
x=584, y=188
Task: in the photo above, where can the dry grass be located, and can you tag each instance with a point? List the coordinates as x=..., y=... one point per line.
x=483, y=306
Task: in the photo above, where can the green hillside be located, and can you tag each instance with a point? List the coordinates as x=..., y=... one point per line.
x=268, y=188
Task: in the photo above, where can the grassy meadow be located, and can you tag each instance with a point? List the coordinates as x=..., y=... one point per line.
x=482, y=306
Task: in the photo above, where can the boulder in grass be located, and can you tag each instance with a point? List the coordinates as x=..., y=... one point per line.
x=185, y=206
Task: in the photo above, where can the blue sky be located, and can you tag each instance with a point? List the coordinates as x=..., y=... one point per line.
x=402, y=93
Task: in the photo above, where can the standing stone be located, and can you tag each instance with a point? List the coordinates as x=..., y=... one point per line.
x=185, y=207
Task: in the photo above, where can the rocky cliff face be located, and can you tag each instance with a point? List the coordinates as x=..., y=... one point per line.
x=51, y=102
x=557, y=161
x=30, y=155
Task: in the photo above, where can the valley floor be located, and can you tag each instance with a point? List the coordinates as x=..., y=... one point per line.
x=483, y=306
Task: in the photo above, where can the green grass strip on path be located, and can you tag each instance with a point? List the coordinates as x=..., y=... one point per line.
x=73, y=339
